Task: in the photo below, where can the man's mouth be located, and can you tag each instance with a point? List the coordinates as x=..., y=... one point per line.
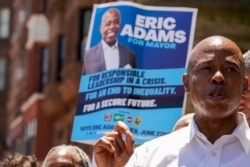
x=111, y=34
x=217, y=96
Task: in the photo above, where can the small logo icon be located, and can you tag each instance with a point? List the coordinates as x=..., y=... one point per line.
x=129, y=119
x=137, y=121
x=108, y=117
x=118, y=117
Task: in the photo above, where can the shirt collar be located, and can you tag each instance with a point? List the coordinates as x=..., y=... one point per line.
x=193, y=129
x=106, y=46
x=242, y=131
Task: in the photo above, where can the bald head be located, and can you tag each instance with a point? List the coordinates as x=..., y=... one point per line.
x=66, y=155
x=111, y=11
x=110, y=25
x=215, y=44
x=183, y=121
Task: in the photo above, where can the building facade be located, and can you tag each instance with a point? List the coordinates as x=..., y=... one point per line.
x=5, y=28
x=46, y=57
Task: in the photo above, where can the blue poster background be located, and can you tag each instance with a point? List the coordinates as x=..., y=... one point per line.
x=149, y=99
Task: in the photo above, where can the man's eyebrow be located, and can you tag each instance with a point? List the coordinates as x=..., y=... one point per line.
x=234, y=63
x=205, y=62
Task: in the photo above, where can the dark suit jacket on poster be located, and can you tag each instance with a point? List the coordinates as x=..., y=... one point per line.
x=94, y=59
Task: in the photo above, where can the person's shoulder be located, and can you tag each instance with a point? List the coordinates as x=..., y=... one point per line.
x=120, y=45
x=93, y=49
x=125, y=49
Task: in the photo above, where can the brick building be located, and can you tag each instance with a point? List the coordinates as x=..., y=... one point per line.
x=5, y=17
x=45, y=55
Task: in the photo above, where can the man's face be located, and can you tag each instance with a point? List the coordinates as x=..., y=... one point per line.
x=215, y=81
x=110, y=26
x=245, y=101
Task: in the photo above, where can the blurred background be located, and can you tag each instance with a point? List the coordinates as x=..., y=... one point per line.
x=41, y=49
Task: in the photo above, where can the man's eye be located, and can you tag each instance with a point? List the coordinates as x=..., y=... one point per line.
x=206, y=68
x=116, y=21
x=107, y=23
x=230, y=69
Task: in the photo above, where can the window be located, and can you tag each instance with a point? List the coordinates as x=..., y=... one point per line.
x=2, y=73
x=30, y=129
x=4, y=22
x=60, y=55
x=30, y=133
x=45, y=67
x=46, y=4
x=85, y=16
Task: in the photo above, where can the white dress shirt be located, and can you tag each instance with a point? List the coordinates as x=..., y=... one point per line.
x=188, y=147
x=111, y=55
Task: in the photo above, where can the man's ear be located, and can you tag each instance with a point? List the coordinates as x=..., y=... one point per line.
x=185, y=80
x=245, y=85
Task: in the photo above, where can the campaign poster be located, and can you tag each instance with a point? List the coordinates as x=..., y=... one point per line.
x=132, y=70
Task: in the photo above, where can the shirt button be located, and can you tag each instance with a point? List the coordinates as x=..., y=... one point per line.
x=213, y=153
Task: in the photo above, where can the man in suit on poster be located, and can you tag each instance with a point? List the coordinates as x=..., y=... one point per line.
x=109, y=53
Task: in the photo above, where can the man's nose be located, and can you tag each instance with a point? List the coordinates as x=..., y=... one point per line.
x=112, y=25
x=218, y=78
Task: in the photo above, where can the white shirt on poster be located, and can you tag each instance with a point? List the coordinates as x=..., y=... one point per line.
x=111, y=55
